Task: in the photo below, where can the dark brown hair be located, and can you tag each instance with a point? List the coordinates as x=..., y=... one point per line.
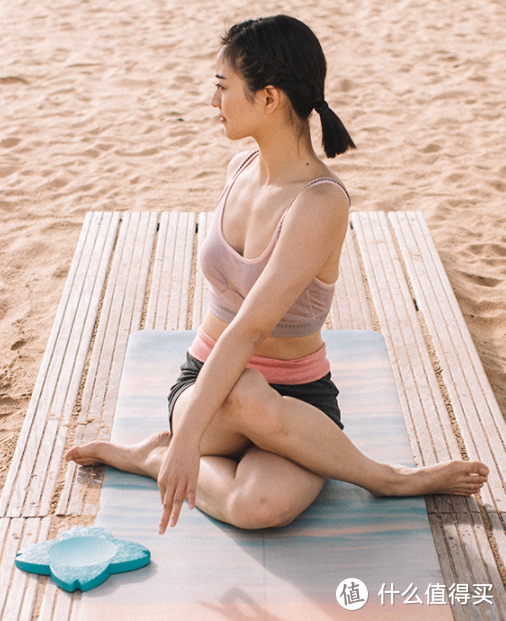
x=283, y=52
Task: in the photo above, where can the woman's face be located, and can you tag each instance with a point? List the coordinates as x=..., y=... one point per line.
x=239, y=114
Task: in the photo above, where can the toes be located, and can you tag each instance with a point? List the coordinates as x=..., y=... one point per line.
x=474, y=472
x=81, y=455
x=477, y=467
x=462, y=478
x=473, y=487
x=475, y=478
x=72, y=454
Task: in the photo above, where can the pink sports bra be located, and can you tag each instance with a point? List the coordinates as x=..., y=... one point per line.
x=231, y=276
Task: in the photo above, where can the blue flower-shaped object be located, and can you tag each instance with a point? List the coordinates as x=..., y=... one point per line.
x=82, y=558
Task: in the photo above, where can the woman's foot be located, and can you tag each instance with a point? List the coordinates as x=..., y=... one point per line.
x=459, y=478
x=144, y=458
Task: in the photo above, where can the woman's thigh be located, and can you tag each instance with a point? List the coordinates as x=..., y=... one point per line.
x=252, y=412
x=220, y=438
x=261, y=490
x=271, y=491
x=266, y=489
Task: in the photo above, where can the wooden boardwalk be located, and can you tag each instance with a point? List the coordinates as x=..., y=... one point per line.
x=137, y=271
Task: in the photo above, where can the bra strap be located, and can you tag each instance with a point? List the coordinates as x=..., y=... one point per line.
x=311, y=183
x=229, y=185
x=243, y=165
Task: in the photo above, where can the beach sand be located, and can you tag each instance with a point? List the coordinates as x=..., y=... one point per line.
x=105, y=106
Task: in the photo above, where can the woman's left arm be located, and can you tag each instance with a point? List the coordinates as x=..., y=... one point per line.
x=313, y=231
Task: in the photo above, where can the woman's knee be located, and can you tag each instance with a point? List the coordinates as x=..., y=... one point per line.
x=257, y=510
x=254, y=404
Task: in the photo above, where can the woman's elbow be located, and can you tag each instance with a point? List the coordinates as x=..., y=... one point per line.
x=249, y=330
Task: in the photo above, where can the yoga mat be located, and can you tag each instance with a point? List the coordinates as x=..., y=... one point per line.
x=204, y=570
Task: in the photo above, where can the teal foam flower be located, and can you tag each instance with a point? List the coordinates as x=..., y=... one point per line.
x=82, y=558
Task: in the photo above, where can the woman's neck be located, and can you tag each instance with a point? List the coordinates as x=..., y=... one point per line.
x=285, y=154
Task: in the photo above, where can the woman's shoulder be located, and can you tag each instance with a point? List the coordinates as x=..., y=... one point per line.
x=324, y=172
x=328, y=187
x=324, y=198
x=322, y=205
x=322, y=202
x=238, y=161
x=324, y=185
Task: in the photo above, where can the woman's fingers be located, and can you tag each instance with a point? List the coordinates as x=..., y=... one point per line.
x=172, y=503
x=176, y=484
x=177, y=503
x=173, y=500
x=167, y=509
x=192, y=494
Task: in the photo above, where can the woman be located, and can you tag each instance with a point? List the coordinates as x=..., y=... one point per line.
x=256, y=429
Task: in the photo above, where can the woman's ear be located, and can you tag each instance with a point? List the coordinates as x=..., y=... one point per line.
x=272, y=98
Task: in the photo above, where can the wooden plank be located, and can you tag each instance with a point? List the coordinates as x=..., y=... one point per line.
x=400, y=323
x=489, y=572
x=4, y=525
x=75, y=356
x=48, y=602
x=20, y=601
x=62, y=606
x=463, y=568
x=350, y=308
x=48, y=472
x=497, y=524
x=49, y=359
x=447, y=569
x=40, y=481
x=59, y=374
x=472, y=563
x=429, y=427
x=170, y=286
x=201, y=293
x=126, y=311
x=18, y=589
x=11, y=528
x=121, y=314
x=183, y=255
x=56, y=604
x=393, y=306
x=159, y=286
x=81, y=250
x=11, y=548
x=499, y=543
x=138, y=295
x=111, y=305
x=473, y=403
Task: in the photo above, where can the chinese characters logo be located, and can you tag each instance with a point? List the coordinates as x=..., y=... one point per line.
x=352, y=594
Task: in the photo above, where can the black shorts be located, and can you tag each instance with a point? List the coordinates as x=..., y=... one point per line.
x=321, y=393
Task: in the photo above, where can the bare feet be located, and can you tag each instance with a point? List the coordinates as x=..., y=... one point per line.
x=144, y=458
x=459, y=478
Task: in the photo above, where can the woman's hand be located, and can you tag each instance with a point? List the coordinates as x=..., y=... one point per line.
x=177, y=480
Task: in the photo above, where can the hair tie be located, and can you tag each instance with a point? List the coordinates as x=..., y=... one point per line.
x=320, y=107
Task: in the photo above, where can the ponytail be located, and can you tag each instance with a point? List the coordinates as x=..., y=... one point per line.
x=335, y=136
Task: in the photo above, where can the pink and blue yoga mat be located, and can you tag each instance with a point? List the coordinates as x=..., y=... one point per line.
x=204, y=570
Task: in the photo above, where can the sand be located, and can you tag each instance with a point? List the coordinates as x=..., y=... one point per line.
x=104, y=106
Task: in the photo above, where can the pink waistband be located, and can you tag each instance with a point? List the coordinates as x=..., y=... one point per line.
x=299, y=371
